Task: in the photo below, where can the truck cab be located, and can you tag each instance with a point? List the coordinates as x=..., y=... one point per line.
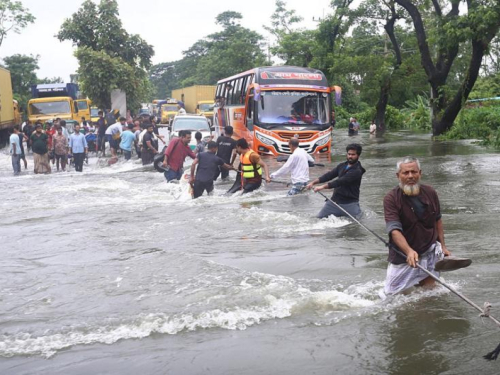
x=206, y=108
x=57, y=100
x=168, y=110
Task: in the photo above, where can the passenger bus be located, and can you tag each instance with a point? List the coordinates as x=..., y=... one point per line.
x=267, y=106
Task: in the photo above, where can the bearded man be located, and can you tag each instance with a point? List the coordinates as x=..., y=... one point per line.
x=413, y=222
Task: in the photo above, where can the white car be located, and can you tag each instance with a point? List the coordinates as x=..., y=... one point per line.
x=195, y=123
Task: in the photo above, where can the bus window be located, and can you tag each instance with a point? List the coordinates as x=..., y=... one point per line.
x=244, y=88
x=237, y=91
x=250, y=110
x=229, y=92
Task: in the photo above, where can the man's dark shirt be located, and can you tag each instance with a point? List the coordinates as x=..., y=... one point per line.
x=149, y=137
x=225, y=147
x=351, y=130
x=347, y=183
x=39, y=143
x=101, y=126
x=208, y=164
x=415, y=217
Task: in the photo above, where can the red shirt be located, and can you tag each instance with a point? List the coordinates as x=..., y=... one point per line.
x=176, y=153
x=50, y=133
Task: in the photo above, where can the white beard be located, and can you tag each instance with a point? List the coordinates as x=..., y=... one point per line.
x=410, y=190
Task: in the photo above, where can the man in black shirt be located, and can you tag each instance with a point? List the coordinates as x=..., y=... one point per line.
x=226, y=150
x=101, y=131
x=207, y=163
x=346, y=193
x=149, y=146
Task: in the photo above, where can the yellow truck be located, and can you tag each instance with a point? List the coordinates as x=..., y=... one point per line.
x=9, y=108
x=197, y=99
x=57, y=100
x=168, y=110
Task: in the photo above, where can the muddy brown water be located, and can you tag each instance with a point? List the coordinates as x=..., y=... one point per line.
x=113, y=271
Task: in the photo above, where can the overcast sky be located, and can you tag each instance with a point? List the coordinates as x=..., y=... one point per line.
x=170, y=26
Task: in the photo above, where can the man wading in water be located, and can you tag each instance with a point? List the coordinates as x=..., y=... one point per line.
x=346, y=186
x=413, y=222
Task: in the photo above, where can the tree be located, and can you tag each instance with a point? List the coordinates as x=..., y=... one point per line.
x=232, y=50
x=449, y=30
x=109, y=58
x=23, y=74
x=293, y=46
x=13, y=17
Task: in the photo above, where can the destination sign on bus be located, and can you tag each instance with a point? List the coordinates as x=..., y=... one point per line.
x=291, y=75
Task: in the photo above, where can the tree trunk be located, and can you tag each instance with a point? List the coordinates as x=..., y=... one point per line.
x=444, y=123
x=382, y=105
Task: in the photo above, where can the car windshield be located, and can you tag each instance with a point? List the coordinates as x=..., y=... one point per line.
x=50, y=108
x=293, y=107
x=143, y=110
x=94, y=112
x=205, y=107
x=169, y=108
x=190, y=124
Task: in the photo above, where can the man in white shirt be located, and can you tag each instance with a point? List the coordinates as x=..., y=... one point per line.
x=113, y=134
x=297, y=165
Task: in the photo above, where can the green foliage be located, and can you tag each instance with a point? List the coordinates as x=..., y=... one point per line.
x=477, y=123
x=23, y=74
x=109, y=58
x=219, y=55
x=13, y=17
x=293, y=46
x=417, y=113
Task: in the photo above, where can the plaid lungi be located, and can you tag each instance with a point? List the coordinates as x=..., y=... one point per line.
x=402, y=276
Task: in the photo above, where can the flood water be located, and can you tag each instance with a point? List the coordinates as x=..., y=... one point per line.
x=113, y=271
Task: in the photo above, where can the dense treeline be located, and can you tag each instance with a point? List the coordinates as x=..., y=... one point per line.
x=403, y=63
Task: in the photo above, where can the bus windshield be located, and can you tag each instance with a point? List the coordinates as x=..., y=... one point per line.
x=292, y=108
x=49, y=108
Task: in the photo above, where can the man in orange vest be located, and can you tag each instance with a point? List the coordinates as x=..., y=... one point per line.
x=251, y=167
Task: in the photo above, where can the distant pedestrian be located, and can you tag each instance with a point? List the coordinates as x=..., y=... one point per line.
x=28, y=130
x=127, y=140
x=353, y=127
x=22, y=138
x=373, y=128
x=207, y=163
x=78, y=148
x=101, y=133
x=226, y=150
x=176, y=152
x=113, y=135
x=137, y=133
x=59, y=148
x=15, y=150
x=200, y=145
x=149, y=146
x=39, y=145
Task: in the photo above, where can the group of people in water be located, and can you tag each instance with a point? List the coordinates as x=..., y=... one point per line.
x=412, y=210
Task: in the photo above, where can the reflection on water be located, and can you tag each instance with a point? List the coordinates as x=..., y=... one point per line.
x=113, y=270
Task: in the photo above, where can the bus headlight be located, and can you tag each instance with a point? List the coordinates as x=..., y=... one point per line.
x=265, y=140
x=323, y=141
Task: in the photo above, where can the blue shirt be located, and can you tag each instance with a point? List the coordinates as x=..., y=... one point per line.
x=14, y=139
x=127, y=139
x=77, y=143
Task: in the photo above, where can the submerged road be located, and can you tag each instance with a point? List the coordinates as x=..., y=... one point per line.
x=114, y=271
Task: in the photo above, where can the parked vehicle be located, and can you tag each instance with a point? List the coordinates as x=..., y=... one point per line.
x=193, y=123
x=197, y=99
x=57, y=100
x=9, y=108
